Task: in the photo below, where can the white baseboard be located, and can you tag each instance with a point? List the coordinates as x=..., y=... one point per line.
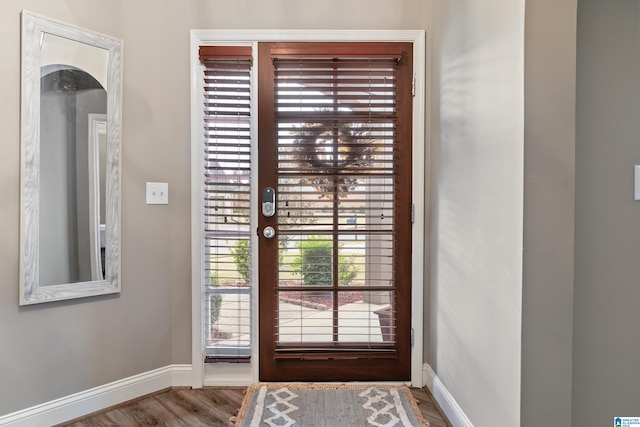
x=98, y=398
x=452, y=410
x=181, y=376
x=229, y=374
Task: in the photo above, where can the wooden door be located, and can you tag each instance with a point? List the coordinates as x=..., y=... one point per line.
x=334, y=131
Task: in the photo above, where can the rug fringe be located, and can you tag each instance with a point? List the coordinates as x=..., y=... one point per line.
x=414, y=404
x=329, y=386
x=245, y=402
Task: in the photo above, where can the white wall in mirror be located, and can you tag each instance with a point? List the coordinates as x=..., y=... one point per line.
x=60, y=50
x=97, y=182
x=70, y=162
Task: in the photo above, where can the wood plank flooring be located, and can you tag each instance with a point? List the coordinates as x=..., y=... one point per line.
x=209, y=406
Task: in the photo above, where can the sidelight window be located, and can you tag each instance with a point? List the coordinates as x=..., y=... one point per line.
x=226, y=225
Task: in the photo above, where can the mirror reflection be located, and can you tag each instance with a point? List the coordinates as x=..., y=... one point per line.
x=70, y=162
x=69, y=204
x=97, y=191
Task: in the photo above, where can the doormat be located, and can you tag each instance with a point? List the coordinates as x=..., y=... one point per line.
x=328, y=405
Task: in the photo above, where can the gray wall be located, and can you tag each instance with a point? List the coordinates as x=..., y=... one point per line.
x=606, y=371
x=548, y=250
x=57, y=349
x=54, y=350
x=475, y=147
x=478, y=109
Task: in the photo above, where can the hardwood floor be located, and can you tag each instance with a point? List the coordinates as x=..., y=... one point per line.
x=209, y=406
x=429, y=408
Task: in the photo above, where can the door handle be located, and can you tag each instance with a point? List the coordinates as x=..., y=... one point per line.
x=269, y=232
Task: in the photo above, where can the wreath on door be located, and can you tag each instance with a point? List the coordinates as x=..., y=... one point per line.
x=333, y=154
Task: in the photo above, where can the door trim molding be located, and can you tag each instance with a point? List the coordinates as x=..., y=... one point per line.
x=419, y=187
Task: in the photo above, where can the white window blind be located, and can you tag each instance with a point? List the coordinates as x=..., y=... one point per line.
x=226, y=202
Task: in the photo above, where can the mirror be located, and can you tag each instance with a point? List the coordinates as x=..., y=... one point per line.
x=70, y=162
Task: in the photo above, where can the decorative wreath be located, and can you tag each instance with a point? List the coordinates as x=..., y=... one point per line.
x=333, y=153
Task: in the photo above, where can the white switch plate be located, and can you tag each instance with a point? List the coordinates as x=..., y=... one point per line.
x=636, y=182
x=157, y=193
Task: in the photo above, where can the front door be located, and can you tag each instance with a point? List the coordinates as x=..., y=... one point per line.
x=334, y=131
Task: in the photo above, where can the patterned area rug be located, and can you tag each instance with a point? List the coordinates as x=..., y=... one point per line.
x=328, y=405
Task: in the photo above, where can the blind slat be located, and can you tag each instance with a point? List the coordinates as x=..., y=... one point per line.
x=222, y=53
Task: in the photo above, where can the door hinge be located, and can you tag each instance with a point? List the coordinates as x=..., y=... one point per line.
x=413, y=213
x=413, y=86
x=412, y=337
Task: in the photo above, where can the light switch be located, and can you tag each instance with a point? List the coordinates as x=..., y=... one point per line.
x=157, y=193
x=636, y=182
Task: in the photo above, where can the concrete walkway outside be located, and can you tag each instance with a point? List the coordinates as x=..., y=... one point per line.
x=357, y=322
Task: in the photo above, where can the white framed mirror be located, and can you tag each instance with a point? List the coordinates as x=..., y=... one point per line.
x=70, y=162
